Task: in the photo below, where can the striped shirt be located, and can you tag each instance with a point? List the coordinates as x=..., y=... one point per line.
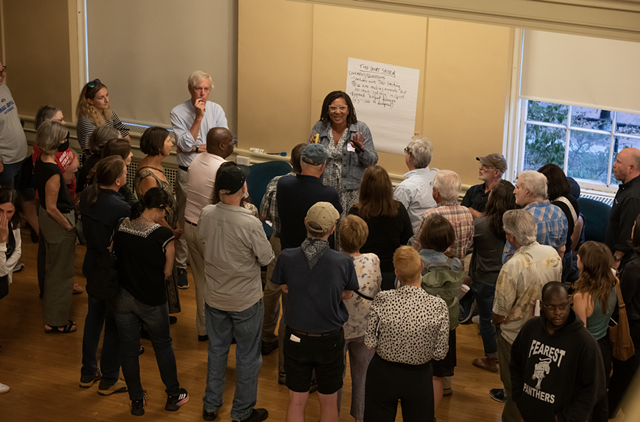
x=552, y=227
x=462, y=222
x=269, y=206
x=85, y=128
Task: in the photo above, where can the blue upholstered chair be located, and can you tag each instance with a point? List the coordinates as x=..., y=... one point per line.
x=257, y=181
x=596, y=218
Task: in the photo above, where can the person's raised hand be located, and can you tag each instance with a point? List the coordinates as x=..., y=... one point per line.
x=357, y=141
x=4, y=228
x=200, y=107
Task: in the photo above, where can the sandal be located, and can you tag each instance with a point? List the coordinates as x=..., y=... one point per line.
x=481, y=363
x=70, y=327
x=77, y=289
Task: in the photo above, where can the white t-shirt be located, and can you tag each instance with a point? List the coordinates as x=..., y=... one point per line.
x=13, y=142
x=202, y=177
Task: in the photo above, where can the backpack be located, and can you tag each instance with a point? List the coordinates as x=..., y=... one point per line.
x=443, y=282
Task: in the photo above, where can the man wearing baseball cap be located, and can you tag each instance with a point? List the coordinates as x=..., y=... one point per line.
x=317, y=279
x=492, y=168
x=295, y=195
x=235, y=247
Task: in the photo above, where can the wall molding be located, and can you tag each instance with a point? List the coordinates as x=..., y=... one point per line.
x=616, y=19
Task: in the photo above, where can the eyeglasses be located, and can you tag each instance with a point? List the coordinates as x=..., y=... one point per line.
x=407, y=150
x=335, y=107
x=4, y=68
x=553, y=308
x=93, y=83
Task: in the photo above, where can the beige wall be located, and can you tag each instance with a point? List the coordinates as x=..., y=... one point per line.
x=300, y=53
x=38, y=54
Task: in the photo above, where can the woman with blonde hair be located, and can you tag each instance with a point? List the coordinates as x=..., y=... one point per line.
x=93, y=111
x=388, y=221
x=594, y=302
x=57, y=225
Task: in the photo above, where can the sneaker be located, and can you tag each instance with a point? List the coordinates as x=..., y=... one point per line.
x=87, y=381
x=4, y=388
x=257, y=415
x=203, y=338
x=137, y=406
x=268, y=347
x=476, y=319
x=447, y=391
x=498, y=395
x=183, y=281
x=209, y=416
x=19, y=267
x=467, y=312
x=117, y=387
x=174, y=402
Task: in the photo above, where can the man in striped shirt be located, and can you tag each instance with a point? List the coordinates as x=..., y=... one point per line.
x=446, y=187
x=552, y=225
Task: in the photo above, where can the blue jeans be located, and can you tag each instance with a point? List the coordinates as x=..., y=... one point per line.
x=129, y=314
x=484, y=293
x=246, y=327
x=99, y=314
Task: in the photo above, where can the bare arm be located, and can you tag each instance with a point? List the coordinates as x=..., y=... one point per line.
x=475, y=214
x=347, y=294
x=170, y=254
x=497, y=319
x=581, y=306
x=51, y=199
x=285, y=288
x=577, y=231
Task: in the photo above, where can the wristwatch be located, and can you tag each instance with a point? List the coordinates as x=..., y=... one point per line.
x=616, y=259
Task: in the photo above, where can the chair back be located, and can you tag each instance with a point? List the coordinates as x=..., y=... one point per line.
x=596, y=218
x=260, y=176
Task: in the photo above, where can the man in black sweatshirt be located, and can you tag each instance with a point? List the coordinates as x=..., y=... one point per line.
x=556, y=367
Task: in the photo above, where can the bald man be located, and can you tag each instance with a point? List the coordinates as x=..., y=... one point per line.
x=626, y=205
x=201, y=178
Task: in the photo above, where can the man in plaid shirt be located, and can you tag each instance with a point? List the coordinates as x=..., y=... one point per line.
x=552, y=225
x=446, y=186
x=272, y=292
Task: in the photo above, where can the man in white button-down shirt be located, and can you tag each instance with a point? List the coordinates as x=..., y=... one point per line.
x=191, y=121
x=415, y=191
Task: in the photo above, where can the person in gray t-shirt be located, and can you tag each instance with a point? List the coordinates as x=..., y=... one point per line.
x=13, y=142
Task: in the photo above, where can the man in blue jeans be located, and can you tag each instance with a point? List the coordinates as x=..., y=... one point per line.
x=235, y=246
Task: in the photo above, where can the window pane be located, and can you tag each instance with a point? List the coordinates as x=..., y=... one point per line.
x=547, y=112
x=589, y=156
x=544, y=145
x=620, y=144
x=628, y=123
x=590, y=118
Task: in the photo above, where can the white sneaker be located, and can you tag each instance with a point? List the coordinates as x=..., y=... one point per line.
x=476, y=319
x=4, y=388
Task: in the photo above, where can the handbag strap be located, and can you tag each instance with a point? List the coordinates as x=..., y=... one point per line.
x=621, y=304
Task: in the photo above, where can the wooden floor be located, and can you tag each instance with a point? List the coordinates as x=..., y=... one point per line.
x=43, y=370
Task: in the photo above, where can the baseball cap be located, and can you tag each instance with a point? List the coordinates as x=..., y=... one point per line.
x=315, y=154
x=494, y=160
x=232, y=178
x=321, y=217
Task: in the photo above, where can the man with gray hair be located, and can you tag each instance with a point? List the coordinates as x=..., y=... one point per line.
x=191, y=122
x=518, y=288
x=492, y=167
x=415, y=191
x=552, y=225
x=446, y=186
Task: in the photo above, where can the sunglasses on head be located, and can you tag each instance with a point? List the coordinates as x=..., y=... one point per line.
x=93, y=83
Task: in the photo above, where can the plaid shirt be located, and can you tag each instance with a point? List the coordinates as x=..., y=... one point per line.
x=462, y=222
x=552, y=227
x=269, y=206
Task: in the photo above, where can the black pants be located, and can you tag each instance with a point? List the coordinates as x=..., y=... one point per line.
x=600, y=411
x=624, y=371
x=387, y=382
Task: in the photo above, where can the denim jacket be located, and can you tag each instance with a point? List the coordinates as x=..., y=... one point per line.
x=353, y=164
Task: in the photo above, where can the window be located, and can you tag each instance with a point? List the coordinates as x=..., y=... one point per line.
x=583, y=141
